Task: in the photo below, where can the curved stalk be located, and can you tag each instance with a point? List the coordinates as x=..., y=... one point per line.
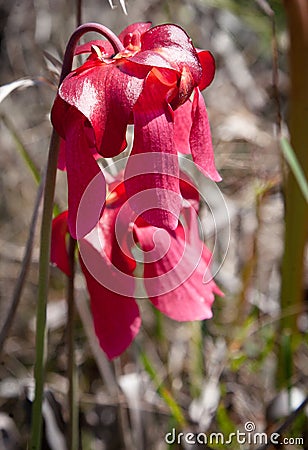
x=78, y=33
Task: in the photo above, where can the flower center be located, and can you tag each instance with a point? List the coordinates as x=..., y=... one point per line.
x=132, y=44
x=132, y=41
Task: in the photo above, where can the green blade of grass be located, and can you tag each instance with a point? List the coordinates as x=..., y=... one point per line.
x=166, y=395
x=22, y=149
x=294, y=165
x=30, y=163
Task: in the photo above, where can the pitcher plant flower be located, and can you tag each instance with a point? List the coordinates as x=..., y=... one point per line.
x=176, y=267
x=154, y=83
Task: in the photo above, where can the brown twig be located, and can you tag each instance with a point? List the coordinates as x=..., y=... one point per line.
x=79, y=12
x=266, y=8
x=289, y=420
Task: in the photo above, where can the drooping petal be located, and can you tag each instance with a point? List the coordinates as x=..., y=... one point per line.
x=110, y=242
x=59, y=111
x=58, y=250
x=114, y=234
x=169, y=47
x=201, y=140
x=208, y=69
x=108, y=271
x=172, y=42
x=62, y=155
x=182, y=127
x=189, y=191
x=152, y=178
x=105, y=93
x=173, y=273
x=86, y=182
x=116, y=317
x=60, y=119
x=186, y=87
x=204, y=267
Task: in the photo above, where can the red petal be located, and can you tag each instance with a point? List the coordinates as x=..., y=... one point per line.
x=62, y=155
x=189, y=191
x=59, y=111
x=60, y=116
x=105, y=47
x=115, y=237
x=152, y=178
x=182, y=127
x=208, y=69
x=108, y=272
x=175, y=46
x=186, y=86
x=201, y=140
x=58, y=251
x=86, y=182
x=142, y=27
x=105, y=94
x=116, y=318
x=152, y=59
x=174, y=271
x=106, y=251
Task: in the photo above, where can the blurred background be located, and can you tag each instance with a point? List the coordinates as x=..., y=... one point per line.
x=211, y=376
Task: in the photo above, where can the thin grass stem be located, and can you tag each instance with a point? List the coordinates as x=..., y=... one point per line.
x=24, y=267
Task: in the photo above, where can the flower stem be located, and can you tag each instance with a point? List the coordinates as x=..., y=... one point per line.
x=73, y=428
x=39, y=368
x=78, y=33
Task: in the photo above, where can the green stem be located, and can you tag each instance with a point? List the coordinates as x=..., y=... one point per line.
x=73, y=434
x=39, y=368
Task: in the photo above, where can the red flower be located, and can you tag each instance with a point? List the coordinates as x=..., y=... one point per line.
x=176, y=275
x=153, y=83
